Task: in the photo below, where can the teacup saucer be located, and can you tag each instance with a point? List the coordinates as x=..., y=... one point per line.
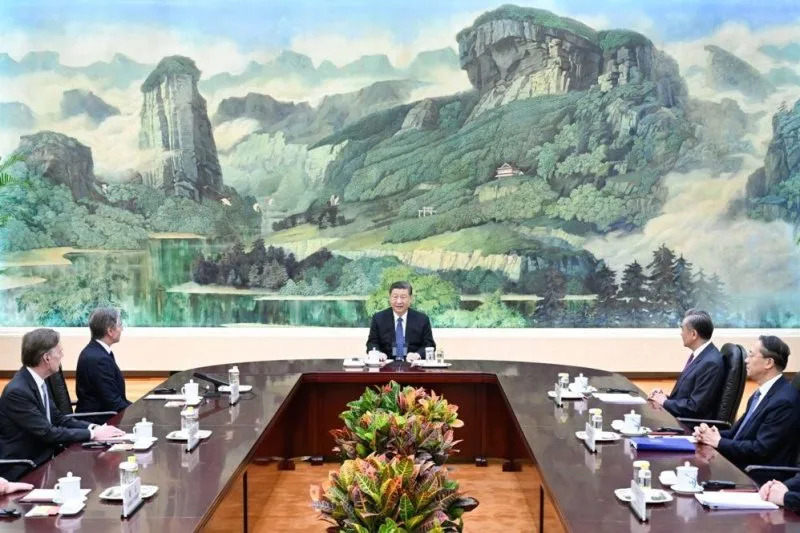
x=57, y=500
x=651, y=496
x=604, y=436
x=686, y=490
x=619, y=425
x=71, y=509
x=668, y=477
x=642, y=431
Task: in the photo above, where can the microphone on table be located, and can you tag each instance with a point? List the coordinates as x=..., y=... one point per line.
x=214, y=381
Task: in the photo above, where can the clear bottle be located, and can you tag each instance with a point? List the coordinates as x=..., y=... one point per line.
x=233, y=376
x=645, y=478
x=597, y=418
x=128, y=471
x=637, y=466
x=189, y=421
x=563, y=381
x=440, y=356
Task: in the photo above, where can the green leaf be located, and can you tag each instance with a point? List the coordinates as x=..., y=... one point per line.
x=368, y=487
x=406, y=508
x=404, y=468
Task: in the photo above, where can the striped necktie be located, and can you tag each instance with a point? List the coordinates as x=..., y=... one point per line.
x=46, y=400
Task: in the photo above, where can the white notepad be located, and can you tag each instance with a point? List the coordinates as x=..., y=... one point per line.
x=616, y=397
x=734, y=500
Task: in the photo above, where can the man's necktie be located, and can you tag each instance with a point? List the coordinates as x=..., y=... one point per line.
x=689, y=361
x=753, y=404
x=46, y=401
x=400, y=338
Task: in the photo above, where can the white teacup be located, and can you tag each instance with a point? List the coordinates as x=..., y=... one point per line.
x=69, y=489
x=143, y=431
x=581, y=382
x=373, y=357
x=191, y=391
x=686, y=476
x=632, y=422
x=430, y=353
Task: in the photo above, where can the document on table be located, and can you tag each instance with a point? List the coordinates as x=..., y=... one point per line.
x=609, y=397
x=734, y=500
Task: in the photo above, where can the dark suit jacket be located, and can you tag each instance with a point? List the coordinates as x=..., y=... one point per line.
x=697, y=392
x=792, y=498
x=771, y=434
x=25, y=432
x=418, y=332
x=99, y=382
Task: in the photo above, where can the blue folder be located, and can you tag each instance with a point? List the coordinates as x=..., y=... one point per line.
x=661, y=444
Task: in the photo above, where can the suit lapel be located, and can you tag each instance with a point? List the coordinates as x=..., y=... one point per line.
x=690, y=369
x=31, y=383
x=761, y=406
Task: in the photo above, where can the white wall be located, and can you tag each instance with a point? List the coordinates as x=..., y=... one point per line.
x=620, y=350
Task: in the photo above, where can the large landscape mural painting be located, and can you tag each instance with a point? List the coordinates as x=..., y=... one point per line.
x=547, y=164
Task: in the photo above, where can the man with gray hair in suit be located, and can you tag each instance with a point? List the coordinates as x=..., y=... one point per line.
x=699, y=386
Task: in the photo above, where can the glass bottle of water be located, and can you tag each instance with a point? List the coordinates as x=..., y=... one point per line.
x=233, y=376
x=128, y=471
x=645, y=478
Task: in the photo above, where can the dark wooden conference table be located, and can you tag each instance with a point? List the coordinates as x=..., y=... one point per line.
x=294, y=404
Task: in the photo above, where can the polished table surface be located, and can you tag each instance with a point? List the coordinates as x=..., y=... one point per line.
x=580, y=483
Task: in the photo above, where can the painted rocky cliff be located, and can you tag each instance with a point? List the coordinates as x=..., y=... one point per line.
x=513, y=53
x=174, y=123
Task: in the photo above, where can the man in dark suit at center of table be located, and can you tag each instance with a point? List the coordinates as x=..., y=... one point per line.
x=698, y=389
x=768, y=432
x=400, y=327
x=31, y=426
x=98, y=379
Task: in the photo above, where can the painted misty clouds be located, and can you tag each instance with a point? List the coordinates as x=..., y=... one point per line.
x=650, y=171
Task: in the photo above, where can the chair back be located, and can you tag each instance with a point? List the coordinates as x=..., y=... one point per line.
x=733, y=383
x=796, y=381
x=59, y=392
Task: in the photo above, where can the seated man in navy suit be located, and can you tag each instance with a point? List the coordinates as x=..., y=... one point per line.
x=98, y=380
x=768, y=432
x=698, y=389
x=31, y=426
x=399, y=329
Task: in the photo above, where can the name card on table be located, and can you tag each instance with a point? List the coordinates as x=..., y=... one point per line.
x=591, y=438
x=131, y=497
x=638, y=501
x=234, y=393
x=192, y=436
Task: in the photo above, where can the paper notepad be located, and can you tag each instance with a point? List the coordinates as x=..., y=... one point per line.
x=734, y=500
x=46, y=495
x=610, y=397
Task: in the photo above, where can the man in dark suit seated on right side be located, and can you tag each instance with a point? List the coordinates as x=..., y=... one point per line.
x=407, y=331
x=98, y=380
x=698, y=389
x=769, y=431
x=31, y=426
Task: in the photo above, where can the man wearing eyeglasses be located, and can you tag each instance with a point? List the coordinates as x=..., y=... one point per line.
x=399, y=331
x=98, y=380
x=31, y=426
x=768, y=432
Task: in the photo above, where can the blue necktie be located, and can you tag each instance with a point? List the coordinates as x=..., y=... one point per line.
x=749, y=413
x=400, y=338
